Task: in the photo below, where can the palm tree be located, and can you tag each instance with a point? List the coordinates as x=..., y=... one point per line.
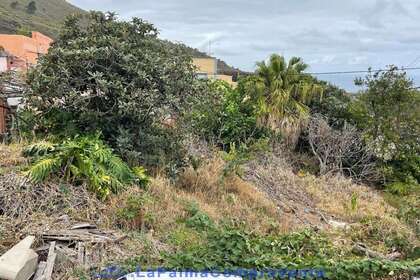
x=283, y=93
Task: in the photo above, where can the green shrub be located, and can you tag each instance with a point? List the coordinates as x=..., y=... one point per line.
x=83, y=160
x=235, y=157
x=132, y=214
x=334, y=106
x=31, y=7
x=229, y=247
x=198, y=220
x=409, y=212
x=223, y=115
x=398, y=188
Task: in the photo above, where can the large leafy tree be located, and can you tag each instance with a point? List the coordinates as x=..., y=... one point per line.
x=283, y=93
x=115, y=77
x=388, y=112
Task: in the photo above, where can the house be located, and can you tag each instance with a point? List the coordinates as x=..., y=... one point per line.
x=11, y=93
x=23, y=51
x=17, y=54
x=207, y=69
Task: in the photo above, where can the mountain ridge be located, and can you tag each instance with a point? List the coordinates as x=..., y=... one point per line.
x=45, y=16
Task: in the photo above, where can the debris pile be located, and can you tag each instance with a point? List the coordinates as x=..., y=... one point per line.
x=82, y=245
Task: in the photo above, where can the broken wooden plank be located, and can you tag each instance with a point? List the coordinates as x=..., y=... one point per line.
x=83, y=226
x=77, y=237
x=50, y=262
x=40, y=271
x=85, y=235
x=65, y=254
x=80, y=253
x=361, y=249
x=88, y=257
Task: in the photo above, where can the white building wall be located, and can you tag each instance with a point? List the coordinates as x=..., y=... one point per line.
x=3, y=63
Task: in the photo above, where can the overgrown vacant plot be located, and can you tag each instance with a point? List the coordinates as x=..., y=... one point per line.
x=132, y=160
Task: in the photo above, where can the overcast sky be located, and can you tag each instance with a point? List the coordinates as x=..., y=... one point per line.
x=329, y=35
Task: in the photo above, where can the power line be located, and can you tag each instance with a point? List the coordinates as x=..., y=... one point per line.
x=360, y=71
x=414, y=62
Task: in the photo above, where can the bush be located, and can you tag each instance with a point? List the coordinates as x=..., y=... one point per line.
x=223, y=115
x=132, y=214
x=387, y=112
x=115, y=77
x=198, y=219
x=31, y=7
x=334, y=106
x=83, y=160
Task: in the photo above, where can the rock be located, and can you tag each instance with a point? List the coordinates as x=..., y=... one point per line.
x=338, y=225
x=20, y=262
x=64, y=218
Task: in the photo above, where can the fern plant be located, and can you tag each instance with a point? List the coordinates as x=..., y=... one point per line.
x=83, y=160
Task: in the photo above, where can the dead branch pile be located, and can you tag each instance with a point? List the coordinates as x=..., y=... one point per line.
x=20, y=199
x=341, y=150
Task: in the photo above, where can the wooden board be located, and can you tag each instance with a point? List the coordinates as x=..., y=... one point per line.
x=3, y=113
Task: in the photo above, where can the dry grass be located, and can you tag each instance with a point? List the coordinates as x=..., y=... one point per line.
x=343, y=199
x=335, y=196
x=11, y=156
x=221, y=198
x=274, y=176
x=270, y=198
x=371, y=218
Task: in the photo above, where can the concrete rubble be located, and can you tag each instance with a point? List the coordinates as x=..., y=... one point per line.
x=20, y=262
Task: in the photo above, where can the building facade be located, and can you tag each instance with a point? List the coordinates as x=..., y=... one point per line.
x=207, y=69
x=24, y=51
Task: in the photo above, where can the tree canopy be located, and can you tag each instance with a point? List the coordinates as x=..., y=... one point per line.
x=282, y=93
x=388, y=113
x=111, y=76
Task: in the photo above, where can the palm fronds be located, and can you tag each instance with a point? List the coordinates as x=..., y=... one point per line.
x=283, y=93
x=38, y=149
x=83, y=160
x=43, y=168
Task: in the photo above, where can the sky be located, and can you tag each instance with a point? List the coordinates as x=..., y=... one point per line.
x=330, y=35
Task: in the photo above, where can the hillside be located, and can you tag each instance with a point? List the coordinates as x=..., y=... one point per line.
x=178, y=224
x=45, y=16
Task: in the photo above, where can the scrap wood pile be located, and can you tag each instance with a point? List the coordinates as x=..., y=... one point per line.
x=26, y=207
x=81, y=245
